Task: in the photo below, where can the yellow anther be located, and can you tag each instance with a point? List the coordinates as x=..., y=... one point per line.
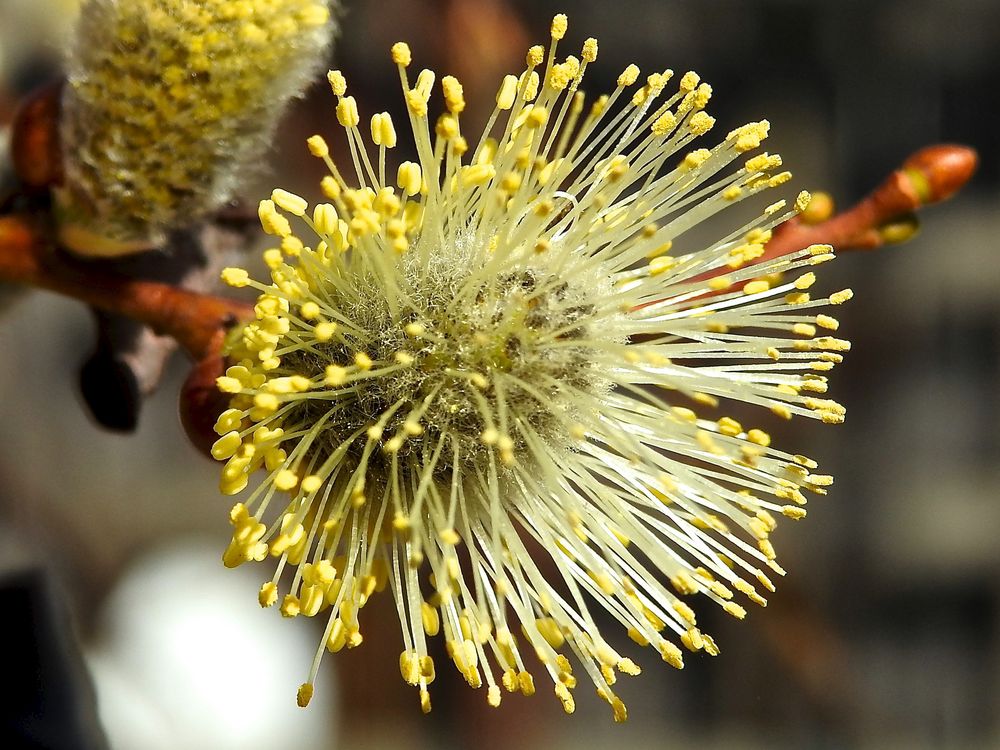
x=689, y=81
x=560, y=76
x=304, y=694
x=637, y=636
x=559, y=25
x=229, y=420
x=793, y=512
x=453, y=94
x=286, y=480
x=449, y=537
x=839, y=298
x=735, y=610
x=416, y=103
x=408, y=177
x=271, y=221
x=762, y=162
x=268, y=594
x=414, y=329
x=750, y=136
x=274, y=459
x=409, y=667
x=701, y=122
x=290, y=606
x=446, y=127
x=425, y=83
x=684, y=611
x=477, y=174
x=311, y=484
x=692, y=639
x=683, y=583
x=732, y=192
x=337, y=82
x=589, y=53
x=805, y=281
x=671, y=654
x=235, y=277
x=729, y=426
x=383, y=132
x=324, y=331
x=226, y=446
x=758, y=286
x=330, y=187
x=325, y=219
x=273, y=258
x=493, y=696
x=290, y=202
x=430, y=619
x=664, y=124
x=782, y=411
x=550, y=631
x=695, y=159
x=347, y=112
x=629, y=76
x=779, y=179
x=507, y=92
x=537, y=117
x=318, y=146
x=535, y=56
x=401, y=54
x=266, y=402
x=661, y=265
x=338, y=637
x=511, y=181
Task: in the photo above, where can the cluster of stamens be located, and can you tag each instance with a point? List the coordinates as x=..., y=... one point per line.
x=476, y=386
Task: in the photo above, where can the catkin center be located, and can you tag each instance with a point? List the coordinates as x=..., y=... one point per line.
x=512, y=353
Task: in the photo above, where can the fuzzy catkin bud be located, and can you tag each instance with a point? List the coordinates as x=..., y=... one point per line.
x=167, y=103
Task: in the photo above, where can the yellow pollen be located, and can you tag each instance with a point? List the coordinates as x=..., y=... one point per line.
x=559, y=26
x=317, y=146
x=337, y=82
x=401, y=54
x=629, y=76
x=347, y=112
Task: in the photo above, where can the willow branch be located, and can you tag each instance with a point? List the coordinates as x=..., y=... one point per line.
x=931, y=175
x=193, y=319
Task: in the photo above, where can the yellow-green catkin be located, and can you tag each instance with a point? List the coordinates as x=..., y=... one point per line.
x=167, y=102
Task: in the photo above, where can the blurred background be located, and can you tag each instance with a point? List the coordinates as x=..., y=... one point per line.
x=885, y=633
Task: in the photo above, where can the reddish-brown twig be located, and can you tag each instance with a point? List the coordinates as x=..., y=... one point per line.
x=193, y=319
x=932, y=174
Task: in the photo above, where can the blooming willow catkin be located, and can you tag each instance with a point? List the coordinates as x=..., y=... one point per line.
x=166, y=104
x=515, y=354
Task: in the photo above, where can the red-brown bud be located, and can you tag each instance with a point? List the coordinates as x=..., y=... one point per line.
x=201, y=402
x=35, y=143
x=938, y=172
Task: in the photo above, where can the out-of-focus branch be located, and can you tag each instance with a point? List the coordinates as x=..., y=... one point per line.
x=193, y=319
x=35, y=139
